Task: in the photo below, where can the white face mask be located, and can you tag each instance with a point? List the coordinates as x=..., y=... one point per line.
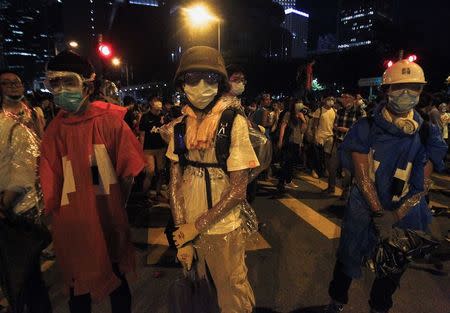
x=237, y=88
x=201, y=95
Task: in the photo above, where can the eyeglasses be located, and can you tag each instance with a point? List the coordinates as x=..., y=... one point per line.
x=11, y=84
x=413, y=87
x=57, y=81
x=193, y=78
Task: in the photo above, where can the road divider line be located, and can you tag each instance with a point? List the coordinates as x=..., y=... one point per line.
x=312, y=217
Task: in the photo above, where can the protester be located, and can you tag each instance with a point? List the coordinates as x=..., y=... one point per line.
x=236, y=79
x=154, y=148
x=323, y=122
x=262, y=113
x=345, y=118
x=204, y=196
x=391, y=160
x=289, y=143
x=445, y=120
x=19, y=196
x=88, y=161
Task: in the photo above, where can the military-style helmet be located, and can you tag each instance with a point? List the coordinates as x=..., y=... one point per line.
x=403, y=72
x=201, y=58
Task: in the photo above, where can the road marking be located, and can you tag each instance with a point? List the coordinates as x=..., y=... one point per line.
x=438, y=204
x=319, y=183
x=441, y=177
x=309, y=215
x=156, y=236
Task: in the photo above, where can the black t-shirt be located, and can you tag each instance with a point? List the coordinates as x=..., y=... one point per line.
x=150, y=124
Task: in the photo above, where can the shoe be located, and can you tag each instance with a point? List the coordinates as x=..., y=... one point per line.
x=291, y=185
x=329, y=190
x=334, y=307
x=314, y=174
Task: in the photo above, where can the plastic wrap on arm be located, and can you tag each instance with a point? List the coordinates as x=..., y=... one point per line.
x=263, y=150
x=175, y=195
x=364, y=182
x=231, y=197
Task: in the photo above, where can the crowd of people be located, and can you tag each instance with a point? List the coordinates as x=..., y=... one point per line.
x=74, y=156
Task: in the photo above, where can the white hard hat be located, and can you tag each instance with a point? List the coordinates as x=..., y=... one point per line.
x=403, y=72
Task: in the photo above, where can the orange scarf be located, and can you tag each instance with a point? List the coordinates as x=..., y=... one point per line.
x=201, y=130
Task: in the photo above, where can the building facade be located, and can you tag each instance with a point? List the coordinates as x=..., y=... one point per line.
x=296, y=22
x=360, y=22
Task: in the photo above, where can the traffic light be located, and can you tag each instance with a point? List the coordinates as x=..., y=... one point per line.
x=105, y=50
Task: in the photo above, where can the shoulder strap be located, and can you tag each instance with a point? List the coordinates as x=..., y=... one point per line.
x=223, y=137
x=179, y=132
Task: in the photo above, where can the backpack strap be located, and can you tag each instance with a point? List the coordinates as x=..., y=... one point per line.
x=223, y=137
x=180, y=149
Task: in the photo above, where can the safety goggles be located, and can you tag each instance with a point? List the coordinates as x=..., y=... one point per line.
x=57, y=81
x=412, y=89
x=193, y=78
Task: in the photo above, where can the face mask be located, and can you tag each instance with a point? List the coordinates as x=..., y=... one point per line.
x=237, y=88
x=403, y=100
x=14, y=98
x=69, y=101
x=201, y=95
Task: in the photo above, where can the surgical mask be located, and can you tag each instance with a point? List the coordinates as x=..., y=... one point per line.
x=403, y=100
x=69, y=101
x=202, y=94
x=14, y=98
x=237, y=88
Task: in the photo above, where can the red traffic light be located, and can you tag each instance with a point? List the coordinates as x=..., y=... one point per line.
x=412, y=58
x=105, y=50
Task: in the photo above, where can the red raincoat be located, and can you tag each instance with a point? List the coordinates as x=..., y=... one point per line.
x=82, y=160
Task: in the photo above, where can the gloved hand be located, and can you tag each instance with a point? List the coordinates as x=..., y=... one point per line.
x=185, y=255
x=384, y=223
x=184, y=233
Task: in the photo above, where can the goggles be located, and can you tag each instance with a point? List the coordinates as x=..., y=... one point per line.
x=193, y=78
x=412, y=89
x=57, y=81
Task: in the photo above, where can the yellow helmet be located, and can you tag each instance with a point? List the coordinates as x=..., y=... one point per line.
x=402, y=72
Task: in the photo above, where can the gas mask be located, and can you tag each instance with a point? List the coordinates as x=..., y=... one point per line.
x=67, y=89
x=202, y=94
x=403, y=100
x=237, y=88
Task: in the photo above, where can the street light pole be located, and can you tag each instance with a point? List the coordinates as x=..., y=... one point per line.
x=218, y=35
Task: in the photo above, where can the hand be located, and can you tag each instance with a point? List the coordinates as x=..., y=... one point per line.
x=184, y=233
x=186, y=255
x=384, y=224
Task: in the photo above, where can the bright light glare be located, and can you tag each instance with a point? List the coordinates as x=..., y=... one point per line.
x=105, y=50
x=73, y=44
x=116, y=61
x=390, y=63
x=412, y=58
x=199, y=15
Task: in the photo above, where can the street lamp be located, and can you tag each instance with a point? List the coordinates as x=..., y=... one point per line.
x=73, y=44
x=200, y=16
x=116, y=61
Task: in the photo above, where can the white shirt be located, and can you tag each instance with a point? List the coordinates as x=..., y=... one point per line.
x=326, y=123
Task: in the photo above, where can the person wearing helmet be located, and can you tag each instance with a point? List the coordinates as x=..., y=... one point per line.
x=391, y=156
x=89, y=157
x=205, y=197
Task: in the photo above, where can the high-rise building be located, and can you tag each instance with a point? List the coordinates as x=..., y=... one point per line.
x=296, y=22
x=287, y=4
x=27, y=41
x=151, y=3
x=359, y=21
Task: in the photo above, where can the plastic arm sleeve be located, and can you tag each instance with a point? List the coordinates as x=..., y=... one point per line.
x=363, y=181
x=175, y=195
x=235, y=194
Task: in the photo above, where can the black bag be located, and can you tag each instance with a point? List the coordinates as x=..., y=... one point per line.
x=191, y=294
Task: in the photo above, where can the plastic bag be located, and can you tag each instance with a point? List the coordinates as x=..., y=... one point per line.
x=192, y=294
x=393, y=255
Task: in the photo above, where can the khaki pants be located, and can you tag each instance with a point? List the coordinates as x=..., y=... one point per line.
x=225, y=258
x=155, y=160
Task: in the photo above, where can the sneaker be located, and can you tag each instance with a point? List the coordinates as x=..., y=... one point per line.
x=314, y=174
x=334, y=307
x=291, y=185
